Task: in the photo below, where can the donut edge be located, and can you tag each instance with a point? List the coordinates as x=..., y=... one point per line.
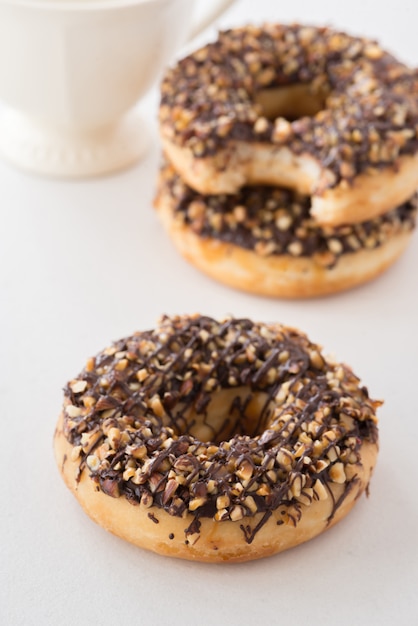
x=155, y=530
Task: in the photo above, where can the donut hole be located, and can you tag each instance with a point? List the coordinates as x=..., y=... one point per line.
x=291, y=102
x=229, y=412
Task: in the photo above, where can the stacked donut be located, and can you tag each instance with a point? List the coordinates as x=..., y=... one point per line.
x=292, y=159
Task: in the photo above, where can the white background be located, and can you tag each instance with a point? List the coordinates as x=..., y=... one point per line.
x=83, y=263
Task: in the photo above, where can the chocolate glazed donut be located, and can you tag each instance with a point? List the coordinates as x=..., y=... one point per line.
x=329, y=115
x=263, y=239
x=216, y=441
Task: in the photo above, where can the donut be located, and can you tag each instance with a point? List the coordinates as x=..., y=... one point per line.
x=329, y=115
x=264, y=241
x=216, y=441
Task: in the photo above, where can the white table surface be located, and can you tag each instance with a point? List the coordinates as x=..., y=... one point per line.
x=83, y=263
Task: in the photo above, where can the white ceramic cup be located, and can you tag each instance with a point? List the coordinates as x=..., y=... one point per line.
x=72, y=72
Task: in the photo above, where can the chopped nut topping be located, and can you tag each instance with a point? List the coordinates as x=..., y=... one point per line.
x=237, y=513
x=319, y=490
x=162, y=445
x=220, y=515
x=73, y=411
x=337, y=473
x=261, y=125
x=295, y=248
x=78, y=386
x=274, y=221
x=211, y=98
x=196, y=503
x=282, y=130
x=147, y=500
x=93, y=462
x=75, y=453
x=245, y=471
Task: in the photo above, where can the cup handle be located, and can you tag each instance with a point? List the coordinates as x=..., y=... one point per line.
x=216, y=9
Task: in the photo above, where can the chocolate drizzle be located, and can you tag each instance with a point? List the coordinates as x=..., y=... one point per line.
x=144, y=420
x=250, y=533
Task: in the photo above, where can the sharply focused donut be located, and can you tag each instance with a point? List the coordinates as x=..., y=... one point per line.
x=321, y=112
x=216, y=441
x=264, y=241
